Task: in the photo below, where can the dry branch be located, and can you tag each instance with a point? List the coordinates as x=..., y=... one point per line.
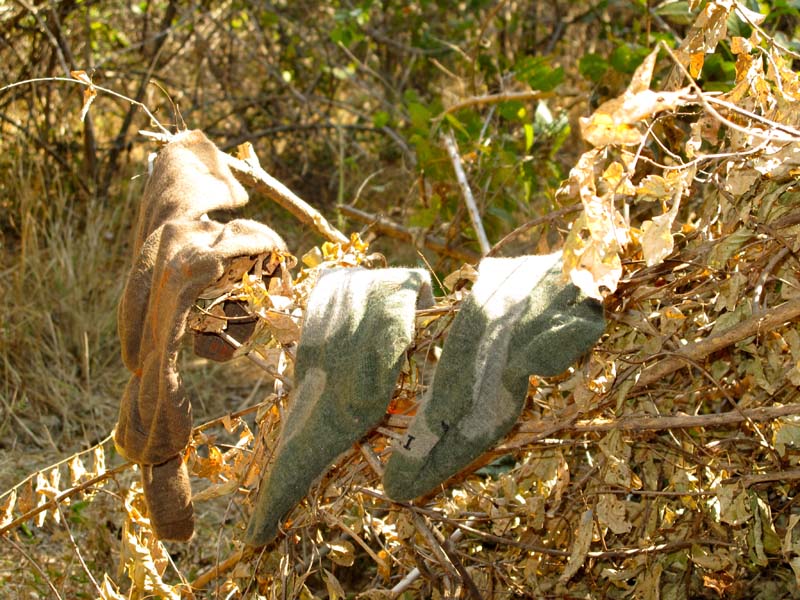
x=252, y=175
x=551, y=216
x=649, y=423
x=497, y=99
x=218, y=569
x=391, y=229
x=761, y=322
x=256, y=177
x=469, y=199
x=56, y=500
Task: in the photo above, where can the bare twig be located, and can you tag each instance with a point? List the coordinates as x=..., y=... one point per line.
x=431, y=541
x=496, y=99
x=748, y=480
x=649, y=423
x=618, y=553
x=218, y=569
x=265, y=183
x=63, y=461
x=56, y=500
x=77, y=551
x=256, y=359
x=791, y=134
x=89, y=84
x=35, y=565
x=469, y=200
x=100, y=477
x=551, y=216
x=391, y=229
x=252, y=175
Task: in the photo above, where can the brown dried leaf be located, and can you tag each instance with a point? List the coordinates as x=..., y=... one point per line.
x=656, y=239
x=580, y=547
x=7, y=510
x=247, y=153
x=109, y=591
x=44, y=493
x=99, y=463
x=464, y=273
x=614, y=121
x=27, y=498
x=611, y=513
x=89, y=93
x=211, y=467
x=591, y=264
x=142, y=570
x=77, y=470
x=211, y=320
x=282, y=326
x=335, y=590
x=342, y=553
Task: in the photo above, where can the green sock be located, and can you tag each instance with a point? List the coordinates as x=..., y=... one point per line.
x=521, y=319
x=358, y=324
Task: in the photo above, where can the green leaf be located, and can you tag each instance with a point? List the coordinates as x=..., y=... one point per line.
x=456, y=124
x=380, y=119
x=677, y=12
x=592, y=66
x=511, y=110
x=427, y=216
x=528, y=136
x=626, y=57
x=538, y=73
x=420, y=116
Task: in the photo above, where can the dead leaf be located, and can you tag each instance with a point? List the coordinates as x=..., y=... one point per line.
x=614, y=121
x=580, y=547
x=247, y=153
x=108, y=591
x=282, y=326
x=7, y=511
x=335, y=590
x=463, y=274
x=89, y=93
x=656, y=239
x=211, y=467
x=342, y=553
x=611, y=513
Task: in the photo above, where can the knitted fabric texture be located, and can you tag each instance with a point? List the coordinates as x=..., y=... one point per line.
x=176, y=256
x=522, y=318
x=357, y=326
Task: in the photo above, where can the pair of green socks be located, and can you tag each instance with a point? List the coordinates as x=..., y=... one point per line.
x=521, y=318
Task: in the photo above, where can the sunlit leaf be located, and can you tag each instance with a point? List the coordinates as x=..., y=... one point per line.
x=7, y=509
x=580, y=546
x=656, y=239
x=342, y=553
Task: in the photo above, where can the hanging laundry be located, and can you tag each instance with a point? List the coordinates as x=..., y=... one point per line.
x=177, y=254
x=521, y=319
x=357, y=326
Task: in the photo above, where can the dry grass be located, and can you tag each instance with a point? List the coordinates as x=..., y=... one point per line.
x=63, y=266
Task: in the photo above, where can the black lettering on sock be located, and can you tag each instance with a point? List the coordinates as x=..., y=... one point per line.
x=407, y=445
